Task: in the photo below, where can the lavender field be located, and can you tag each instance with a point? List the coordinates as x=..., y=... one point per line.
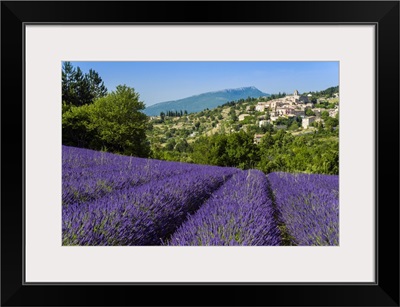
x=109, y=199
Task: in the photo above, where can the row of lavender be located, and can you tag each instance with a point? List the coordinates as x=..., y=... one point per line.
x=307, y=207
x=143, y=203
x=88, y=175
x=117, y=200
x=239, y=213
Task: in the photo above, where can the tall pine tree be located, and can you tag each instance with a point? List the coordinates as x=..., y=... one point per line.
x=80, y=89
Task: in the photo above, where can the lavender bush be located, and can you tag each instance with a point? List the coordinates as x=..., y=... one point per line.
x=144, y=215
x=239, y=213
x=88, y=174
x=308, y=207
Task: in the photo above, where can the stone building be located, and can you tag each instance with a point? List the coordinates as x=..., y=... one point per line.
x=260, y=107
x=263, y=123
x=257, y=138
x=307, y=121
x=242, y=116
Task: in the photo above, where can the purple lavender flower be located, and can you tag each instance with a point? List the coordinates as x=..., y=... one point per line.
x=308, y=207
x=110, y=199
x=239, y=213
x=88, y=174
x=142, y=215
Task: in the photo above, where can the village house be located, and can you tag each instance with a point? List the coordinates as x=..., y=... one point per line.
x=333, y=113
x=257, y=138
x=307, y=121
x=276, y=103
x=318, y=111
x=297, y=98
x=263, y=123
x=245, y=128
x=261, y=106
x=295, y=112
x=289, y=110
x=298, y=112
x=243, y=116
x=281, y=111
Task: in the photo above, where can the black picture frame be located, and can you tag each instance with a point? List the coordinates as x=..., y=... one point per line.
x=383, y=14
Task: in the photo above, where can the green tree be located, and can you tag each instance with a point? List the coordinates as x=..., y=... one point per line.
x=325, y=115
x=81, y=94
x=113, y=122
x=97, y=89
x=233, y=115
x=78, y=128
x=309, y=112
x=68, y=82
x=121, y=125
x=78, y=88
x=182, y=146
x=241, y=150
x=267, y=141
x=294, y=126
x=162, y=116
x=201, y=150
x=170, y=144
x=331, y=122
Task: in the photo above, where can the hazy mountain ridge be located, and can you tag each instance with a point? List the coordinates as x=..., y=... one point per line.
x=210, y=100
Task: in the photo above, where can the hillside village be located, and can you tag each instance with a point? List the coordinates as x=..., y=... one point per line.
x=291, y=106
x=295, y=113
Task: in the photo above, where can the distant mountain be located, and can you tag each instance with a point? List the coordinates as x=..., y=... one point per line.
x=203, y=101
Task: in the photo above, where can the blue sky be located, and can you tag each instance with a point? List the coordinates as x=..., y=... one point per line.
x=163, y=81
